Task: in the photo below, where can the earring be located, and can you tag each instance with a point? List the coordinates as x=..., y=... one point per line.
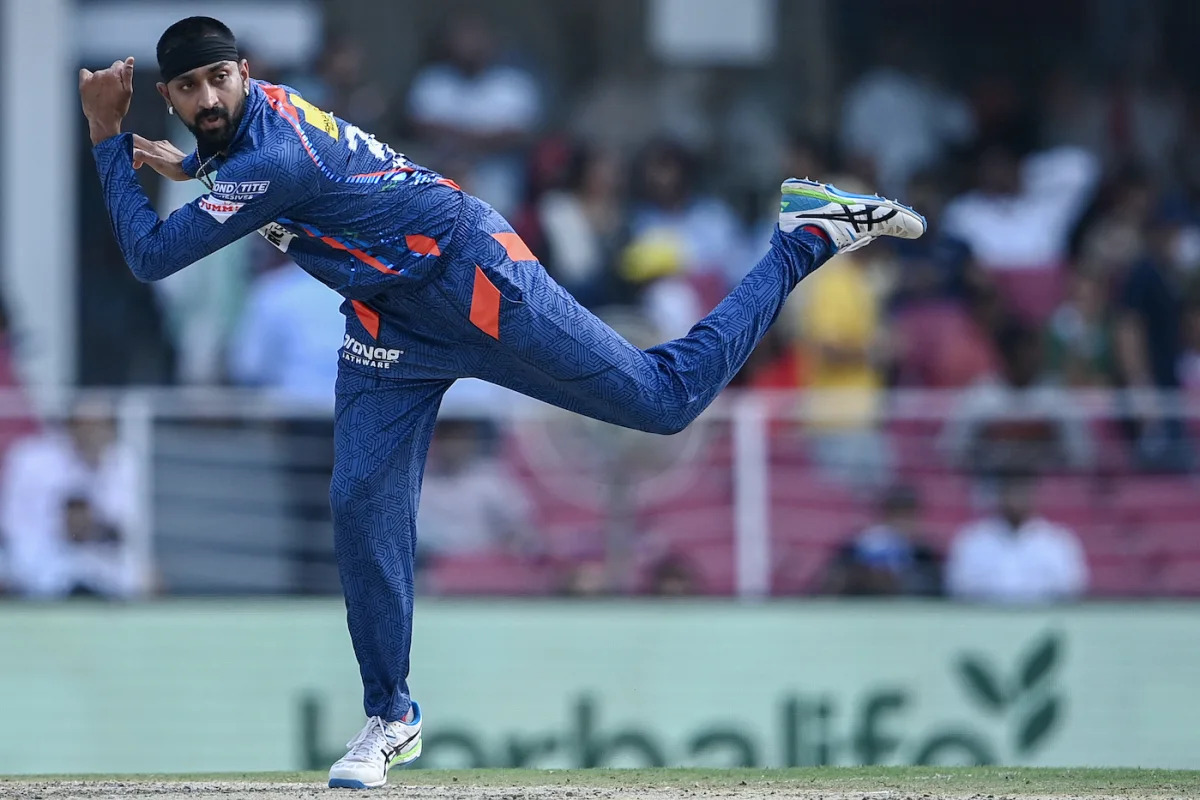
x=171, y=110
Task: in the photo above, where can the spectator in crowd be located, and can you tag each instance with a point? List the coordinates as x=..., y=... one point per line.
x=889, y=556
x=1071, y=110
x=97, y=562
x=341, y=86
x=294, y=363
x=900, y=122
x=670, y=207
x=1149, y=339
x=68, y=509
x=583, y=227
x=1080, y=335
x=1019, y=219
x=843, y=341
x=1134, y=117
x=470, y=504
x=470, y=104
x=1016, y=418
x=1015, y=556
x=1115, y=232
x=940, y=337
x=652, y=267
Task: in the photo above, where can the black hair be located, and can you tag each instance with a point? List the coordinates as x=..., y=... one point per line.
x=188, y=30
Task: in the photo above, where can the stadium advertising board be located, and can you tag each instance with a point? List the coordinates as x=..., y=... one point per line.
x=270, y=686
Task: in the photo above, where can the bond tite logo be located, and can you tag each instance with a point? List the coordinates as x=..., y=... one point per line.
x=219, y=209
x=245, y=190
x=356, y=352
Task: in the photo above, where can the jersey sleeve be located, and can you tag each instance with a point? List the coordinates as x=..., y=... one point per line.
x=252, y=192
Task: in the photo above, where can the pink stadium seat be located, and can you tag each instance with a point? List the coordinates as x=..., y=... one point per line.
x=1180, y=576
x=1117, y=577
x=1141, y=532
x=939, y=346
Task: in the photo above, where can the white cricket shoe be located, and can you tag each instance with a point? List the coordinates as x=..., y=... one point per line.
x=378, y=746
x=850, y=220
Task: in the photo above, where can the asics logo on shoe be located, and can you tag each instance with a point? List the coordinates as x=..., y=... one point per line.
x=864, y=219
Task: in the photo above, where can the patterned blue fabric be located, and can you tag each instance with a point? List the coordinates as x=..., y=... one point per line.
x=551, y=348
x=336, y=200
x=477, y=305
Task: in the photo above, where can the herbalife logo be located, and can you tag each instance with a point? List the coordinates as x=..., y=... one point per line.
x=1017, y=709
x=1025, y=699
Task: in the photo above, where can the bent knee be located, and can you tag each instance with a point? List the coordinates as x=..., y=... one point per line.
x=667, y=425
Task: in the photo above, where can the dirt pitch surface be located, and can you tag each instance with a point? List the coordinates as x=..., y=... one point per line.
x=871, y=783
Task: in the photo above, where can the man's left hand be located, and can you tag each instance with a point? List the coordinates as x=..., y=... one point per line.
x=106, y=95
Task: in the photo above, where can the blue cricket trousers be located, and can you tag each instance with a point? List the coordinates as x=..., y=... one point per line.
x=490, y=311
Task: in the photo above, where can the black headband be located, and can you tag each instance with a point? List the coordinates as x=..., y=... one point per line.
x=201, y=52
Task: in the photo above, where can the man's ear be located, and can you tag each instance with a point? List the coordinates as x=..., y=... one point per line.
x=162, y=89
x=244, y=68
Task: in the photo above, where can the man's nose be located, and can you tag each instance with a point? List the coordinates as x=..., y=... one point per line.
x=208, y=98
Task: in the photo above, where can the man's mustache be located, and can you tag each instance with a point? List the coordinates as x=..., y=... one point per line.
x=213, y=114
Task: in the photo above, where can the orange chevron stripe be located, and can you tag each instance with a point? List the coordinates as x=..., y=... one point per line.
x=424, y=245
x=368, y=317
x=516, y=249
x=485, y=305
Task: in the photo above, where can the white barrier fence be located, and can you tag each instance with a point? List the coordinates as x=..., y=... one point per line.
x=231, y=485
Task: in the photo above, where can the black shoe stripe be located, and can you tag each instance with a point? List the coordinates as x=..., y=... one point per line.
x=388, y=756
x=856, y=218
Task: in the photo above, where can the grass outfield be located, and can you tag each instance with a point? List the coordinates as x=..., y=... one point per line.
x=829, y=783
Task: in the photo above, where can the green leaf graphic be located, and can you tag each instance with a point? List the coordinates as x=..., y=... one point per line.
x=1035, y=727
x=1039, y=663
x=984, y=687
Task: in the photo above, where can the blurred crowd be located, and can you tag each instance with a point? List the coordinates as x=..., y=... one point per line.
x=1063, y=254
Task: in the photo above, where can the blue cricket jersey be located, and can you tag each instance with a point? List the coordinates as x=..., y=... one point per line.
x=352, y=212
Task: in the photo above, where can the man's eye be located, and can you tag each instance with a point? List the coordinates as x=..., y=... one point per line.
x=220, y=78
x=185, y=87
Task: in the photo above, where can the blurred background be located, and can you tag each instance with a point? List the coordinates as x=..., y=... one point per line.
x=987, y=437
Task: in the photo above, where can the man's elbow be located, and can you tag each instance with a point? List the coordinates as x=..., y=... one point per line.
x=142, y=272
x=148, y=268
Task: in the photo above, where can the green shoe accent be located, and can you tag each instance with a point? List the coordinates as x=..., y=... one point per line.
x=818, y=195
x=411, y=754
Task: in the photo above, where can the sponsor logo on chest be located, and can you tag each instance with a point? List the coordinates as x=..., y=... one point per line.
x=244, y=190
x=218, y=208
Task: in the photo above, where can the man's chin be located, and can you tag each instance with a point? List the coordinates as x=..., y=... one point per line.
x=217, y=139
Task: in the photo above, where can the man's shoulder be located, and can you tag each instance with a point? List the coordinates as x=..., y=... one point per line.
x=40, y=449
x=274, y=161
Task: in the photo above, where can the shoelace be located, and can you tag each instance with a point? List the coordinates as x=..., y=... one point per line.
x=370, y=742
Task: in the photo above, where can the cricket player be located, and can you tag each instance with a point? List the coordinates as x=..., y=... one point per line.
x=437, y=286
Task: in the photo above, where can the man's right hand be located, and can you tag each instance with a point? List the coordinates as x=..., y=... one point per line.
x=161, y=156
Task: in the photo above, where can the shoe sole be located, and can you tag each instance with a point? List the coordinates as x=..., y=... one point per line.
x=400, y=760
x=832, y=194
x=346, y=783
